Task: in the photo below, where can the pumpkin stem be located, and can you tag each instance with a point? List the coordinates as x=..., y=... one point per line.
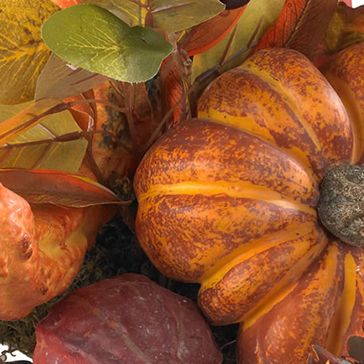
x=341, y=204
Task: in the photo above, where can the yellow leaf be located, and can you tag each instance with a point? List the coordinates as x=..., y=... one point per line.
x=236, y=46
x=22, y=51
x=26, y=117
x=56, y=143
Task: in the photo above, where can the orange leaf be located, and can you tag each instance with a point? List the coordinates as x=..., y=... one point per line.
x=301, y=25
x=174, y=89
x=348, y=2
x=66, y=3
x=205, y=35
x=57, y=188
x=83, y=112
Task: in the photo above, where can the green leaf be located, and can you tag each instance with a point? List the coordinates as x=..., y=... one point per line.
x=57, y=188
x=166, y=15
x=59, y=81
x=92, y=38
x=22, y=51
x=236, y=47
x=55, y=143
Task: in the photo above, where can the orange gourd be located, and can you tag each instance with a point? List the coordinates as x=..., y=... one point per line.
x=42, y=249
x=229, y=200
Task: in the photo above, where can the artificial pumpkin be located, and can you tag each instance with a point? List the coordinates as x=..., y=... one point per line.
x=229, y=201
x=127, y=320
x=42, y=249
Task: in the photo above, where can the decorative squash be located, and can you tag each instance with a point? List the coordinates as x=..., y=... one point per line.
x=229, y=200
x=128, y=320
x=42, y=249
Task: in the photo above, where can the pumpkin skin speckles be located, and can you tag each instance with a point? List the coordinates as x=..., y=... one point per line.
x=279, y=96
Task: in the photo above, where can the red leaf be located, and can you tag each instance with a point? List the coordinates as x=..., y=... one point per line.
x=127, y=319
x=57, y=188
x=301, y=25
x=205, y=35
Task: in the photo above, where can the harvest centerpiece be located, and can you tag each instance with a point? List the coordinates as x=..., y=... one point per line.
x=241, y=126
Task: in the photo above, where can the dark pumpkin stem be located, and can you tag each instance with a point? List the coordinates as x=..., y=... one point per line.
x=341, y=204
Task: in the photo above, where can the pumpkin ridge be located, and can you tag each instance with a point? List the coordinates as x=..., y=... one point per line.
x=285, y=286
x=268, y=132
x=216, y=297
x=286, y=97
x=301, y=161
x=342, y=316
x=255, y=246
x=245, y=189
x=305, y=314
x=300, y=184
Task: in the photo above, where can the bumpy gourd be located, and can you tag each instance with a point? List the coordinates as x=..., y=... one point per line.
x=42, y=249
x=229, y=201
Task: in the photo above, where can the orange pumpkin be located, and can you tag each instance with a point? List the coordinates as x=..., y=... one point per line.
x=229, y=201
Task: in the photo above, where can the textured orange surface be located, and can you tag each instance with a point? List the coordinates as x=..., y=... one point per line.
x=42, y=249
x=343, y=73
x=228, y=200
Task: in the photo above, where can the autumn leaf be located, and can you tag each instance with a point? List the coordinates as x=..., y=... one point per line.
x=59, y=80
x=166, y=15
x=28, y=117
x=66, y=3
x=237, y=45
x=346, y=28
x=56, y=142
x=174, y=88
x=301, y=25
x=22, y=51
x=57, y=188
x=92, y=38
x=204, y=36
x=83, y=110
